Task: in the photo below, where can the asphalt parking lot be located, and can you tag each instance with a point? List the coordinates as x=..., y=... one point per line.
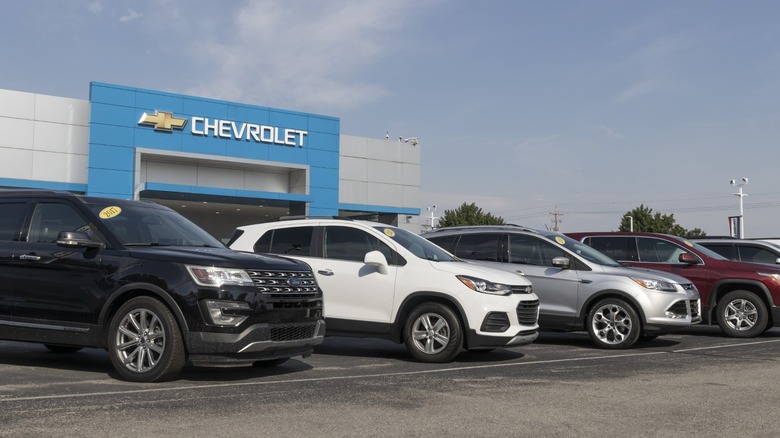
x=691, y=383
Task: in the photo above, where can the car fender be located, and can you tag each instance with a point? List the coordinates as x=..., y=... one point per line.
x=752, y=285
x=608, y=293
x=416, y=298
x=131, y=290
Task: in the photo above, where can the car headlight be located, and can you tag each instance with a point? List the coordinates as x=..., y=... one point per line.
x=484, y=286
x=663, y=286
x=774, y=277
x=212, y=276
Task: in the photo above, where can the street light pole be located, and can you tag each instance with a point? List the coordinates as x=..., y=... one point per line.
x=741, y=210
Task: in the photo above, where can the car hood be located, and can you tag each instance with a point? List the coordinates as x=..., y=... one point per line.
x=221, y=257
x=650, y=274
x=484, y=272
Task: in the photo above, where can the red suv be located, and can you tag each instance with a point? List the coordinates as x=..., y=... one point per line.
x=742, y=298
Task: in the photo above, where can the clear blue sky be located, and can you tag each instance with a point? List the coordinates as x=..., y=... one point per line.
x=594, y=107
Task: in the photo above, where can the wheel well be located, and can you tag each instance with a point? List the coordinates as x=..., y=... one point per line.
x=723, y=289
x=126, y=294
x=610, y=294
x=417, y=299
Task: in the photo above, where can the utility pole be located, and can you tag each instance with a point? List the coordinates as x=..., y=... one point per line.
x=741, y=194
x=556, y=214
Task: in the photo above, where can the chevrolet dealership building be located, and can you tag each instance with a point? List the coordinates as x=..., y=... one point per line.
x=221, y=164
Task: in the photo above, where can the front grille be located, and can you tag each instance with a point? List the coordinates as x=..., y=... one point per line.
x=522, y=289
x=293, y=332
x=528, y=312
x=285, y=284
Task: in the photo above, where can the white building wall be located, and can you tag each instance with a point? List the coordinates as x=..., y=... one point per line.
x=43, y=138
x=374, y=172
x=379, y=172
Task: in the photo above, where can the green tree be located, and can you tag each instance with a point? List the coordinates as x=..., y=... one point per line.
x=645, y=220
x=468, y=214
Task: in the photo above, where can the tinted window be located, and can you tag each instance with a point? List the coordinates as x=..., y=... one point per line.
x=724, y=250
x=478, y=247
x=658, y=251
x=49, y=219
x=346, y=243
x=292, y=241
x=11, y=217
x=614, y=247
x=444, y=241
x=756, y=254
x=529, y=250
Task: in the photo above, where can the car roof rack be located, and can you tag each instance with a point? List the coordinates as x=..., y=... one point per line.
x=488, y=227
x=296, y=217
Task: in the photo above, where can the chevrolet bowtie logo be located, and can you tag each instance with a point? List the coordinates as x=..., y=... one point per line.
x=162, y=121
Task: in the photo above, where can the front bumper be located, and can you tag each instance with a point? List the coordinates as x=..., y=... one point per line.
x=257, y=342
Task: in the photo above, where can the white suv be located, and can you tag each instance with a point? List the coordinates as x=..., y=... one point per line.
x=385, y=282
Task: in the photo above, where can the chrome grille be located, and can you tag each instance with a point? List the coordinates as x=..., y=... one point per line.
x=528, y=312
x=285, y=284
x=522, y=289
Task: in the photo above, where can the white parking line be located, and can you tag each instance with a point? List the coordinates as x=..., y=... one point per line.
x=363, y=376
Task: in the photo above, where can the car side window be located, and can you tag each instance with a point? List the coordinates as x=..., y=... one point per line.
x=347, y=243
x=286, y=241
x=724, y=250
x=658, y=251
x=621, y=248
x=445, y=242
x=530, y=250
x=756, y=255
x=51, y=218
x=478, y=247
x=11, y=218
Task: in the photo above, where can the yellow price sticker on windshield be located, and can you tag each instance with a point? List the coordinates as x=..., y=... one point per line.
x=109, y=212
x=389, y=232
x=560, y=240
x=688, y=243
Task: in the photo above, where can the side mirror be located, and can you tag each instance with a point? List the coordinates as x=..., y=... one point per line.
x=75, y=239
x=561, y=262
x=688, y=259
x=376, y=258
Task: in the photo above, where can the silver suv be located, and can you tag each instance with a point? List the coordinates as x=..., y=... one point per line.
x=580, y=288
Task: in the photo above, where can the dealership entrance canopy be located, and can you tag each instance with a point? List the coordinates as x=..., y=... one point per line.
x=221, y=164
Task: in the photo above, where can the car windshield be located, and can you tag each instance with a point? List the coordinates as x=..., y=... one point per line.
x=702, y=249
x=417, y=245
x=147, y=225
x=582, y=250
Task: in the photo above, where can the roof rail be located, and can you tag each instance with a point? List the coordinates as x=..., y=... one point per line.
x=294, y=217
x=488, y=227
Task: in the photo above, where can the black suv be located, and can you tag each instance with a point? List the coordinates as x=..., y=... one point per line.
x=143, y=282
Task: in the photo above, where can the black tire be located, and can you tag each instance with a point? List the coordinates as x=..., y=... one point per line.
x=270, y=362
x=614, y=324
x=144, y=341
x=742, y=314
x=433, y=333
x=62, y=349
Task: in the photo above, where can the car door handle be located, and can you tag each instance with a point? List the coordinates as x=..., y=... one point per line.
x=326, y=272
x=30, y=257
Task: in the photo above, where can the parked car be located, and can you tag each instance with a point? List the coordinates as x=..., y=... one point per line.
x=742, y=298
x=743, y=250
x=385, y=282
x=578, y=287
x=152, y=288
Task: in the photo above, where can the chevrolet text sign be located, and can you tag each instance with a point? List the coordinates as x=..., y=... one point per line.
x=227, y=129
